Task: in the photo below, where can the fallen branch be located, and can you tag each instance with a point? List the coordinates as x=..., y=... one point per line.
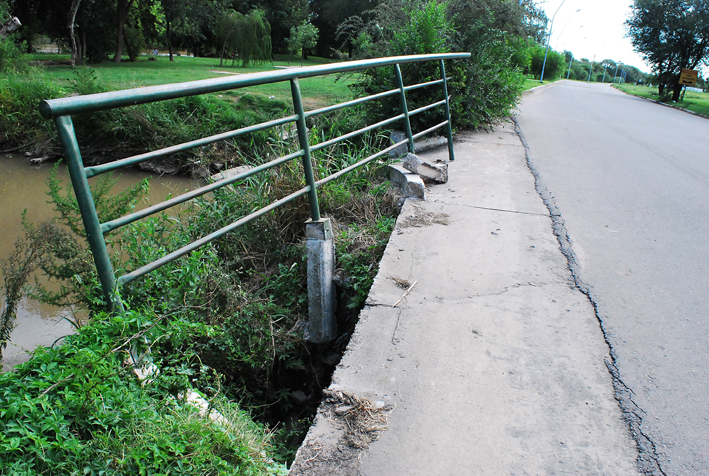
x=405, y=294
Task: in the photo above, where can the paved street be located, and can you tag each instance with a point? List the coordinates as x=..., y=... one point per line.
x=629, y=181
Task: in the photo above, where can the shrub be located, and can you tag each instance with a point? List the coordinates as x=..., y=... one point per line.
x=20, y=122
x=79, y=409
x=484, y=88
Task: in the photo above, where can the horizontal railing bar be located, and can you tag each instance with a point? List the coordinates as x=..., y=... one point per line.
x=130, y=97
x=127, y=278
x=119, y=222
x=359, y=164
x=354, y=102
x=426, y=108
x=136, y=159
x=431, y=129
x=422, y=85
x=349, y=135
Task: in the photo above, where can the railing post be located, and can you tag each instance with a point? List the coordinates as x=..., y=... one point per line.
x=305, y=145
x=319, y=243
x=65, y=127
x=404, y=109
x=320, y=248
x=451, y=155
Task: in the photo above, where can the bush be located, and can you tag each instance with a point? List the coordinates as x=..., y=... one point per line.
x=79, y=409
x=20, y=122
x=484, y=88
x=11, y=57
x=555, y=62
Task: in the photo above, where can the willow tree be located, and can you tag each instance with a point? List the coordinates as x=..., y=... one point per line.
x=248, y=35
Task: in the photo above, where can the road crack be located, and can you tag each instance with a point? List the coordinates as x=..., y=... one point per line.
x=491, y=209
x=648, y=460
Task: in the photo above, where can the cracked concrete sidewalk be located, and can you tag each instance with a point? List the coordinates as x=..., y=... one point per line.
x=494, y=363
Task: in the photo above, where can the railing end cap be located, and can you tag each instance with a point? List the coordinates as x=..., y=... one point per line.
x=45, y=110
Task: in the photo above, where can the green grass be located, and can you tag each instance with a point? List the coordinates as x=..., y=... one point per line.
x=693, y=101
x=533, y=83
x=320, y=91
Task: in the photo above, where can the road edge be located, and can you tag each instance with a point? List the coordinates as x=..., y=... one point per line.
x=704, y=116
x=648, y=459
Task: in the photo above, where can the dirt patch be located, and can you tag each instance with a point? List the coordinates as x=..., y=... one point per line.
x=420, y=219
x=400, y=283
x=358, y=421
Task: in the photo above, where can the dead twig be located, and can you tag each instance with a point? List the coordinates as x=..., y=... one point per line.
x=405, y=294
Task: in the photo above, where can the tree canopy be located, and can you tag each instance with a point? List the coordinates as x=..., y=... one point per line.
x=670, y=35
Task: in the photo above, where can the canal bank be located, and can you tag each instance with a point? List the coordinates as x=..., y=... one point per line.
x=23, y=186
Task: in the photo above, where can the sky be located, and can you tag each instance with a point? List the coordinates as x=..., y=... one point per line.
x=596, y=30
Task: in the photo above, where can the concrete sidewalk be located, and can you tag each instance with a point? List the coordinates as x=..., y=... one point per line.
x=493, y=363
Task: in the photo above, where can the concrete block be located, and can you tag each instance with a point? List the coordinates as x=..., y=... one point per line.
x=411, y=184
x=398, y=136
x=436, y=172
x=320, y=248
x=419, y=145
x=225, y=174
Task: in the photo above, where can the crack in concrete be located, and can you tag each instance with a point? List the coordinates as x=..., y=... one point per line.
x=509, y=288
x=648, y=461
x=469, y=297
x=493, y=209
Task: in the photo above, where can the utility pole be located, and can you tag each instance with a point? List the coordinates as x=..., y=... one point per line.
x=570, y=62
x=616, y=72
x=546, y=52
x=591, y=70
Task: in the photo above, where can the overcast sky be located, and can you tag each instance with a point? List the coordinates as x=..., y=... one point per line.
x=595, y=30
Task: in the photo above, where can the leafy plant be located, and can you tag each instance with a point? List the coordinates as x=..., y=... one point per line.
x=79, y=409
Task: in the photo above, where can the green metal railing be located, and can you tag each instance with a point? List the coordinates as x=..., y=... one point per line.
x=61, y=110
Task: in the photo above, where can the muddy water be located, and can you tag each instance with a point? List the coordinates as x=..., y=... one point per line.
x=23, y=187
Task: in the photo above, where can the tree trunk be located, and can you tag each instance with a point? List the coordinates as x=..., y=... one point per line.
x=132, y=55
x=72, y=36
x=82, y=47
x=221, y=56
x=123, y=8
x=661, y=88
x=676, y=90
x=169, y=40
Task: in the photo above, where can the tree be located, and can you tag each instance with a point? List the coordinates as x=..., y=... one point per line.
x=227, y=27
x=328, y=14
x=555, y=62
x=671, y=35
x=301, y=38
x=121, y=17
x=247, y=35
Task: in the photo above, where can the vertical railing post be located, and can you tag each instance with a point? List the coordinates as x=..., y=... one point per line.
x=404, y=109
x=451, y=155
x=305, y=145
x=65, y=127
x=319, y=243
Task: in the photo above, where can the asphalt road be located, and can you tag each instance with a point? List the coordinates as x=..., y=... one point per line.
x=629, y=180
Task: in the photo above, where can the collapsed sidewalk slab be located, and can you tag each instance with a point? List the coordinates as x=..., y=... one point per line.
x=494, y=363
x=436, y=172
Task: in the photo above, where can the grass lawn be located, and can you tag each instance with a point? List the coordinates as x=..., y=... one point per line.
x=697, y=102
x=317, y=92
x=533, y=83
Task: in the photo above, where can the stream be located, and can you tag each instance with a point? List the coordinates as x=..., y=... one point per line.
x=23, y=187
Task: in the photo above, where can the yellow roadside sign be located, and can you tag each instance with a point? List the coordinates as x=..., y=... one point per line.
x=688, y=77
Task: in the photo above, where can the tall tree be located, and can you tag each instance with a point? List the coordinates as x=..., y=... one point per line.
x=121, y=17
x=72, y=36
x=328, y=14
x=302, y=38
x=670, y=35
x=247, y=35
